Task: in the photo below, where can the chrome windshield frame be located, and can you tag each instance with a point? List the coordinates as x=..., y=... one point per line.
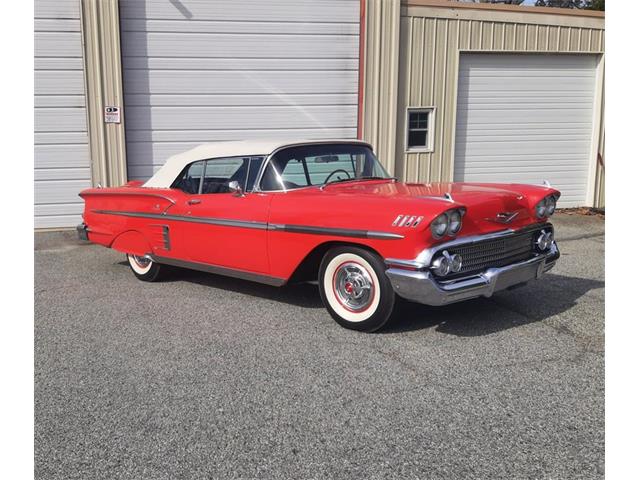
x=257, y=185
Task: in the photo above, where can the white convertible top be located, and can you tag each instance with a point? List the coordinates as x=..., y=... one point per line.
x=164, y=177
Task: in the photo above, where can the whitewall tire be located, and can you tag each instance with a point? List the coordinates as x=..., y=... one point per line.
x=355, y=289
x=144, y=268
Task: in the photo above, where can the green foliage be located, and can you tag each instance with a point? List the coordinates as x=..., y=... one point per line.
x=584, y=4
x=596, y=5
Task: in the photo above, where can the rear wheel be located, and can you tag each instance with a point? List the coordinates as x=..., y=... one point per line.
x=355, y=289
x=144, y=268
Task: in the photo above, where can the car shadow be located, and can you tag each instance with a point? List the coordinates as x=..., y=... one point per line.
x=534, y=302
x=299, y=294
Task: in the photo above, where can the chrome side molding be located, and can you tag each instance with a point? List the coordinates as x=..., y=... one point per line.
x=218, y=270
x=226, y=222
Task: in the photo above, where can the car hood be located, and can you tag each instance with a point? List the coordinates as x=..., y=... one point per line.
x=488, y=206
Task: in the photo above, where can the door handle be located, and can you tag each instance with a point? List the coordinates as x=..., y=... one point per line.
x=194, y=201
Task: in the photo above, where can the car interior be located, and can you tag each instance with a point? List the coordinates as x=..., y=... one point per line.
x=214, y=176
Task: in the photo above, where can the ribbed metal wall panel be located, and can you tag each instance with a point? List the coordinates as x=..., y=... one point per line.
x=431, y=40
x=380, y=102
x=61, y=151
x=202, y=71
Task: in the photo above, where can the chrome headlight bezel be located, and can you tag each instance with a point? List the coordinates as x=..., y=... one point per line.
x=546, y=207
x=455, y=222
x=440, y=225
x=447, y=223
x=550, y=205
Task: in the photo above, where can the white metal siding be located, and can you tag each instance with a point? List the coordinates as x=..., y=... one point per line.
x=204, y=71
x=523, y=118
x=61, y=144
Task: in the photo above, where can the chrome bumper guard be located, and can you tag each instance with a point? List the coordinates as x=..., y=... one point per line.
x=422, y=287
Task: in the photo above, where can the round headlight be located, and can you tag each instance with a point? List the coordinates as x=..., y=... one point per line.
x=439, y=225
x=455, y=222
x=541, y=208
x=551, y=206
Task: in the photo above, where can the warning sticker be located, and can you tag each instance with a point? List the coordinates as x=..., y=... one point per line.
x=112, y=114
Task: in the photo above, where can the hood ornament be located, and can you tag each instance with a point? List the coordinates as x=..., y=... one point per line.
x=546, y=183
x=504, y=217
x=449, y=197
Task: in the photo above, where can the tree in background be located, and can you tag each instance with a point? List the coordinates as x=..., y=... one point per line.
x=507, y=2
x=584, y=4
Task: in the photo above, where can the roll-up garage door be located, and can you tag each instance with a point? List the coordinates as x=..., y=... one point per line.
x=523, y=118
x=61, y=148
x=206, y=71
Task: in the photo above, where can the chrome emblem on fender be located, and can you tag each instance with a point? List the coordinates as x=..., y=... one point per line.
x=504, y=217
x=407, y=221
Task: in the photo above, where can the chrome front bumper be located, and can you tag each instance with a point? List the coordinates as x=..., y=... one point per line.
x=421, y=286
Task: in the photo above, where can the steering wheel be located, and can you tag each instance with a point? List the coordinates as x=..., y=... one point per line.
x=334, y=172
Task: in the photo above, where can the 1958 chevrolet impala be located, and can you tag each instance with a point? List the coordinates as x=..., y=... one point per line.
x=278, y=212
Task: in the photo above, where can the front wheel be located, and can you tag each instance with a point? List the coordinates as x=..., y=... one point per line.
x=144, y=268
x=355, y=289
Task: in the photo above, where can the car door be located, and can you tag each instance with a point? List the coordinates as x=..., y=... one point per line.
x=223, y=227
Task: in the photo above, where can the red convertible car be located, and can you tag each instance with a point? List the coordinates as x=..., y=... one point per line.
x=277, y=212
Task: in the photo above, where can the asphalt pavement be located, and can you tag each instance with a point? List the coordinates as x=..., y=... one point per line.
x=207, y=377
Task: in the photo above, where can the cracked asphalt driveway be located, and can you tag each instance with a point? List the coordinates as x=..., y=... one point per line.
x=207, y=377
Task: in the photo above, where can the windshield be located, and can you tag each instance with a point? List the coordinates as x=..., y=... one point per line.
x=308, y=165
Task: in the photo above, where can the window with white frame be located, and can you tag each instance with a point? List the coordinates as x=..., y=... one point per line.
x=419, y=125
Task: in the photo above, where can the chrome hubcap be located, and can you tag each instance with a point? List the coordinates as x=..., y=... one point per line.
x=353, y=286
x=142, y=262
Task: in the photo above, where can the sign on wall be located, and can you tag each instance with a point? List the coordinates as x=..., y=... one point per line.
x=111, y=114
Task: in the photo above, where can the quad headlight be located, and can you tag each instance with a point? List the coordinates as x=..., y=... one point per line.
x=551, y=205
x=455, y=222
x=449, y=222
x=546, y=207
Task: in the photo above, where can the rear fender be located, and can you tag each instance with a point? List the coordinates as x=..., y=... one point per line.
x=131, y=242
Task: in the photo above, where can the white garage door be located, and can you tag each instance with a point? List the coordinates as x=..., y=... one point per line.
x=524, y=118
x=61, y=148
x=205, y=71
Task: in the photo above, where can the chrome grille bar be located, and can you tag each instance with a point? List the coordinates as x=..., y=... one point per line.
x=496, y=252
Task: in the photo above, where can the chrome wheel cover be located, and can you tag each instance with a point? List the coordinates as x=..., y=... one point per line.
x=142, y=262
x=353, y=287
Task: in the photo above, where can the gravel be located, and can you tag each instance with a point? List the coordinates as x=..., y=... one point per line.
x=207, y=377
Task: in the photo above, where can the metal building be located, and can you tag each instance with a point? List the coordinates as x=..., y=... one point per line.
x=507, y=93
x=444, y=91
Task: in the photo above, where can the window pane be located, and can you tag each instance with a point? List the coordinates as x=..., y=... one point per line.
x=221, y=171
x=287, y=168
x=189, y=180
x=321, y=167
x=417, y=139
x=293, y=174
x=418, y=119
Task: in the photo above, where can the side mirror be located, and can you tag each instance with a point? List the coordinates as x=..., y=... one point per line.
x=235, y=188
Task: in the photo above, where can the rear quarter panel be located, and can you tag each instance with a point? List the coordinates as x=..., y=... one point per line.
x=127, y=234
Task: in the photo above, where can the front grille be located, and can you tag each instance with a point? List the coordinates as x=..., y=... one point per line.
x=496, y=252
